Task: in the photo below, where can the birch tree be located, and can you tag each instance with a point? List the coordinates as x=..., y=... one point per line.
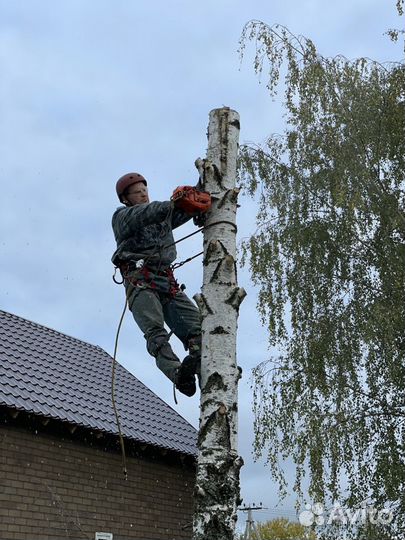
x=217, y=489
x=328, y=257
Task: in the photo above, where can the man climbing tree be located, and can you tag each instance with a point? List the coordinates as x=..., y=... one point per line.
x=145, y=253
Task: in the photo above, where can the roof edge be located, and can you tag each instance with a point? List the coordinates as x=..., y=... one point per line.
x=49, y=424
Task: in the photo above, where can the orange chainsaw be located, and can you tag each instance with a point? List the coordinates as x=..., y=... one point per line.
x=191, y=200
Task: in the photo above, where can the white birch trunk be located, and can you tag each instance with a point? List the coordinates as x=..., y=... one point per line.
x=217, y=492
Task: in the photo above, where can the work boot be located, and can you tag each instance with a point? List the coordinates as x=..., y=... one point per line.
x=185, y=377
x=195, y=365
x=194, y=356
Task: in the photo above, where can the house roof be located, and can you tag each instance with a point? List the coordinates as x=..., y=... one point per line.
x=54, y=375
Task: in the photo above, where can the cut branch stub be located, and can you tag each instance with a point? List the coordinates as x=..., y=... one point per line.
x=236, y=297
x=202, y=304
x=209, y=173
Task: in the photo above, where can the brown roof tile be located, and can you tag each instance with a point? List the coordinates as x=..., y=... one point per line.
x=50, y=374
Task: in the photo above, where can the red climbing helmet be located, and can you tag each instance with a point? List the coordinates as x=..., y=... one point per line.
x=127, y=180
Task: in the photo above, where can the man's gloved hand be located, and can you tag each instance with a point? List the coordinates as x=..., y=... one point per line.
x=200, y=219
x=191, y=200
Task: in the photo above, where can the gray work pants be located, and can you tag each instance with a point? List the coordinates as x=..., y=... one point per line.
x=151, y=309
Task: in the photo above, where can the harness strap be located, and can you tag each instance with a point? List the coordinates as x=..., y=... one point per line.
x=125, y=267
x=150, y=277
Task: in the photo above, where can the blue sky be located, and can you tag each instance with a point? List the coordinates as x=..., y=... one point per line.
x=93, y=89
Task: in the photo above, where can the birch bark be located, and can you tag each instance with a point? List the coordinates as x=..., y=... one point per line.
x=217, y=492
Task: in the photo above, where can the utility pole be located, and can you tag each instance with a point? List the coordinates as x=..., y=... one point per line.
x=217, y=492
x=250, y=523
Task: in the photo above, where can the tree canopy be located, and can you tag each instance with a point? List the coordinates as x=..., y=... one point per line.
x=282, y=529
x=328, y=257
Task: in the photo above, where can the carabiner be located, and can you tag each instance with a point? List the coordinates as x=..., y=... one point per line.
x=115, y=281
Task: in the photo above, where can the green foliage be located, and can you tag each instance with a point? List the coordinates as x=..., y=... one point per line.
x=328, y=257
x=283, y=529
x=374, y=532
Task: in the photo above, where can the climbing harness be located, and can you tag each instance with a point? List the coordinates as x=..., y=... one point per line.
x=145, y=276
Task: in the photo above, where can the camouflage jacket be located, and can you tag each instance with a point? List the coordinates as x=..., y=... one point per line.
x=144, y=231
